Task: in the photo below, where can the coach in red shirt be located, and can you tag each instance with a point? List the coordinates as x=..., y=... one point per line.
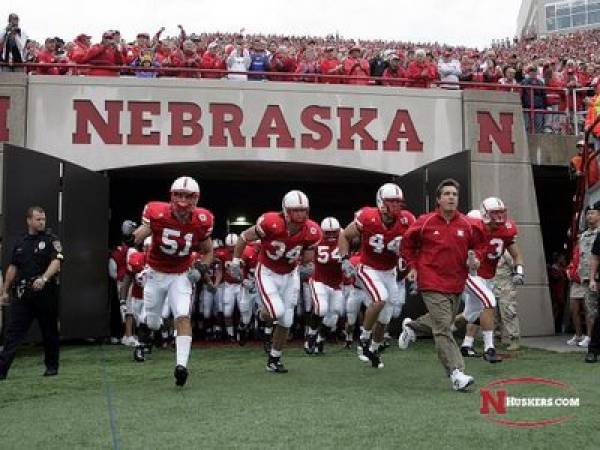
x=436, y=247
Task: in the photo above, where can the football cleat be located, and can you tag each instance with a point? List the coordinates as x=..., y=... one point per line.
x=375, y=358
x=310, y=344
x=591, y=357
x=275, y=365
x=347, y=344
x=181, y=374
x=139, y=353
x=362, y=349
x=242, y=335
x=469, y=352
x=584, y=342
x=460, y=381
x=490, y=356
x=407, y=336
x=320, y=347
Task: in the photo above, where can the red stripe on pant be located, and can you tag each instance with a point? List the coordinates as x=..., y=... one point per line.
x=263, y=293
x=480, y=294
x=369, y=284
x=315, y=299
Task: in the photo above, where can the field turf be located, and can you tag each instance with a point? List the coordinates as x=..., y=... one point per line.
x=102, y=399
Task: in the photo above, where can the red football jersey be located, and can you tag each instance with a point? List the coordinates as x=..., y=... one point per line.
x=493, y=245
x=136, y=262
x=250, y=259
x=172, y=240
x=380, y=244
x=279, y=251
x=328, y=264
x=225, y=255
x=119, y=255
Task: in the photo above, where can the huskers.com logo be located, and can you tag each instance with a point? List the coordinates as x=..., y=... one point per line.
x=528, y=402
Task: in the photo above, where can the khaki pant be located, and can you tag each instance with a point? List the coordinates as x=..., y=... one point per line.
x=442, y=310
x=506, y=314
x=591, y=302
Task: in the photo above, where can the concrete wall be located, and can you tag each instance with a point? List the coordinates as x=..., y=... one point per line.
x=509, y=176
x=551, y=149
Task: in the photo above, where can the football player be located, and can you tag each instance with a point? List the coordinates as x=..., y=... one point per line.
x=231, y=285
x=357, y=297
x=498, y=233
x=210, y=296
x=177, y=228
x=249, y=294
x=286, y=238
x=380, y=230
x=325, y=287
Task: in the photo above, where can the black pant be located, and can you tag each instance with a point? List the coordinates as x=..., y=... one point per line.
x=42, y=306
x=594, y=345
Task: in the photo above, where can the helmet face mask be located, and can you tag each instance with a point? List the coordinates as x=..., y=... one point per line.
x=295, y=207
x=390, y=199
x=185, y=194
x=493, y=211
x=231, y=239
x=331, y=228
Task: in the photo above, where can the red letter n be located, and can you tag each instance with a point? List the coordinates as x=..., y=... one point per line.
x=86, y=113
x=498, y=403
x=501, y=133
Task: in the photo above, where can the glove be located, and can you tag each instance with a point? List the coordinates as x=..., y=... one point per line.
x=194, y=275
x=123, y=309
x=518, y=277
x=235, y=268
x=128, y=227
x=348, y=269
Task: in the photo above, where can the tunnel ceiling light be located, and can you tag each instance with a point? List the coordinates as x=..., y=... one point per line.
x=240, y=220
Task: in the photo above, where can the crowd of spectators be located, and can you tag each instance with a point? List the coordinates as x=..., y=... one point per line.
x=564, y=62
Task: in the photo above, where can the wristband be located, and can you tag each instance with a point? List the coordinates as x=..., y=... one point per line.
x=519, y=269
x=236, y=260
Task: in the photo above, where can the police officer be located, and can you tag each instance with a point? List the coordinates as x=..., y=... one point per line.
x=36, y=259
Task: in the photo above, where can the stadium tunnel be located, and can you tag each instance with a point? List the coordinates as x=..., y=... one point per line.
x=238, y=192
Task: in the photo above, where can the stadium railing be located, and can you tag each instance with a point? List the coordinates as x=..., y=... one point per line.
x=566, y=121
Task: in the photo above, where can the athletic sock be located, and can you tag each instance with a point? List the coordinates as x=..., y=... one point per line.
x=275, y=353
x=182, y=346
x=468, y=341
x=374, y=346
x=488, y=339
x=365, y=335
x=312, y=331
x=230, y=331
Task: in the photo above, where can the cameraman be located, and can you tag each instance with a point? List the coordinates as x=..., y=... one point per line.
x=35, y=260
x=12, y=42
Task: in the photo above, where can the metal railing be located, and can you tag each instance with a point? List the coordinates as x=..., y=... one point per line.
x=560, y=118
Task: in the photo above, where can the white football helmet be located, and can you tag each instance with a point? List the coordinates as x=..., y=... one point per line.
x=474, y=213
x=389, y=199
x=217, y=243
x=493, y=211
x=295, y=206
x=191, y=193
x=330, y=227
x=231, y=239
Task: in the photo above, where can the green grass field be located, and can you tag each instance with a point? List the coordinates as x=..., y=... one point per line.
x=102, y=399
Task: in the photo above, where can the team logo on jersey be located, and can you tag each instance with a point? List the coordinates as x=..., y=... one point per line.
x=42, y=245
x=313, y=230
x=202, y=217
x=436, y=233
x=460, y=233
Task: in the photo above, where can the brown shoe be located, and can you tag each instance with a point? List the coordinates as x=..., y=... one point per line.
x=514, y=345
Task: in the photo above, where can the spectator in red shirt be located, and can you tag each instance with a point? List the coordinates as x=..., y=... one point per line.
x=213, y=59
x=102, y=55
x=393, y=75
x=420, y=72
x=283, y=62
x=357, y=66
x=330, y=65
x=308, y=65
x=186, y=57
x=48, y=56
x=77, y=52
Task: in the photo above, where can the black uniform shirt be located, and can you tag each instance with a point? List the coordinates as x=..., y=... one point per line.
x=33, y=253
